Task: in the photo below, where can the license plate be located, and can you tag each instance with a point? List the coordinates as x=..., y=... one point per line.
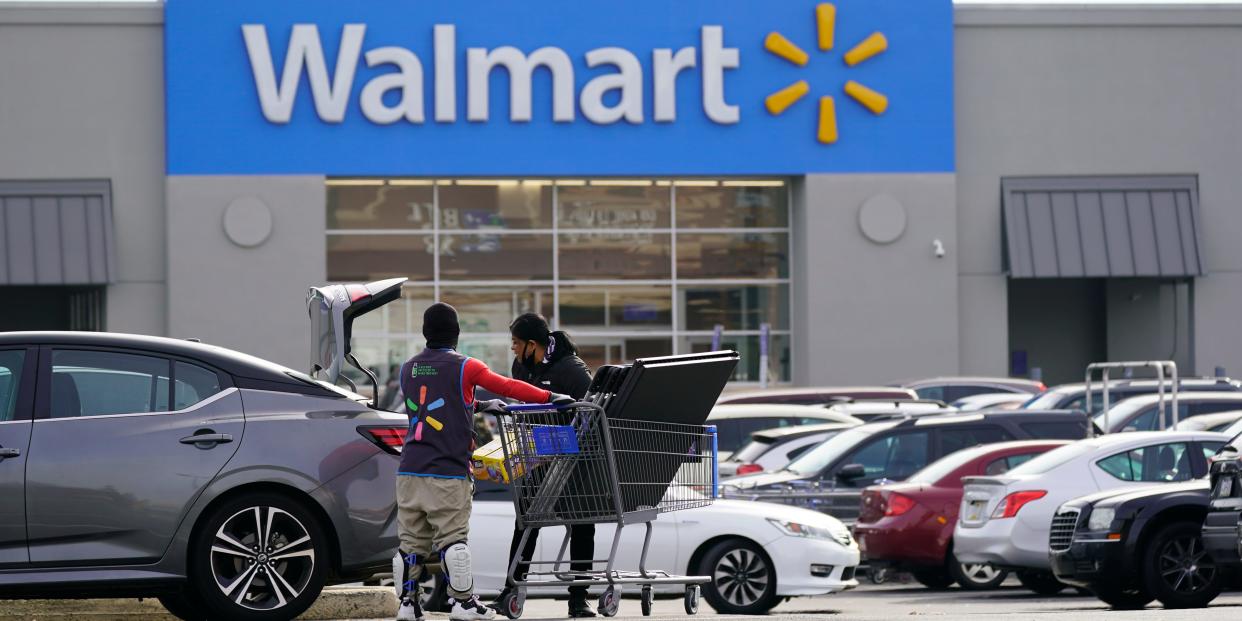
x=975, y=510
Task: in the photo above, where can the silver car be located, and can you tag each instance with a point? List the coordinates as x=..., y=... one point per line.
x=228, y=486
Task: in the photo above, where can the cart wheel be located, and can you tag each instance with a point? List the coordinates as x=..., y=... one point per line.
x=610, y=601
x=692, y=599
x=513, y=604
x=648, y=600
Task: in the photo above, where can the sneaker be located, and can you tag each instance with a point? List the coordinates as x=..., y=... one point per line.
x=409, y=610
x=470, y=610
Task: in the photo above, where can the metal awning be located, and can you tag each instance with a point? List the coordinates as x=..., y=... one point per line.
x=56, y=233
x=1099, y=227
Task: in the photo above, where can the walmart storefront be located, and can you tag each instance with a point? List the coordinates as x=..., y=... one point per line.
x=822, y=177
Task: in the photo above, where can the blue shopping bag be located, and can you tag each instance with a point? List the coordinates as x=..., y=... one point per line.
x=555, y=440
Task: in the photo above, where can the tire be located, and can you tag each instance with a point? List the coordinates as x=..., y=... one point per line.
x=648, y=598
x=1041, y=582
x=743, y=578
x=184, y=605
x=976, y=576
x=246, y=541
x=934, y=578
x=610, y=601
x=1122, y=599
x=1177, y=570
x=690, y=603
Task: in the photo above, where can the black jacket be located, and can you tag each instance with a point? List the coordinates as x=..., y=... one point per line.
x=564, y=373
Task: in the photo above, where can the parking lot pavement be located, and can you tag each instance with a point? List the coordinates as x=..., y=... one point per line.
x=885, y=603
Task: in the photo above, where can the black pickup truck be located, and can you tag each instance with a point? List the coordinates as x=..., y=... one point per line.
x=1221, y=535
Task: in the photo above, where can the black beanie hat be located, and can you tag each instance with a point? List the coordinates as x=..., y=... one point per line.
x=440, y=326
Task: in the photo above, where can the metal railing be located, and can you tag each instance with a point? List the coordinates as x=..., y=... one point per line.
x=1159, y=365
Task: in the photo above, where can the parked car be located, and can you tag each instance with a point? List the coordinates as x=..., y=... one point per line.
x=772, y=449
x=757, y=554
x=1222, y=538
x=735, y=423
x=830, y=477
x=1005, y=520
x=1132, y=546
x=991, y=401
x=1142, y=413
x=1220, y=421
x=218, y=482
x=949, y=389
x=909, y=525
x=1074, y=396
x=876, y=409
x=816, y=395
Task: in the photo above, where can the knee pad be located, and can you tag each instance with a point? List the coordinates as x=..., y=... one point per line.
x=405, y=573
x=456, y=560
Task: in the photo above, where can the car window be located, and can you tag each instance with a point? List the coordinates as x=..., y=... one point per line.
x=10, y=379
x=750, y=451
x=1154, y=464
x=733, y=433
x=1005, y=464
x=1056, y=430
x=1212, y=407
x=954, y=439
x=894, y=457
x=97, y=383
x=193, y=384
x=1210, y=448
x=953, y=393
x=931, y=392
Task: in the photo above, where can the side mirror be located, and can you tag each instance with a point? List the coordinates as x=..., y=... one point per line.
x=851, y=472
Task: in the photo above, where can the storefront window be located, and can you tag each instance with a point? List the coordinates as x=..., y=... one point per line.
x=632, y=268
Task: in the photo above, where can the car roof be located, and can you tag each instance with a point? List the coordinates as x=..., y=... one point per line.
x=1146, y=383
x=840, y=391
x=780, y=433
x=970, y=379
x=727, y=411
x=228, y=360
x=887, y=406
x=1147, y=399
x=1204, y=421
x=1142, y=438
x=998, y=414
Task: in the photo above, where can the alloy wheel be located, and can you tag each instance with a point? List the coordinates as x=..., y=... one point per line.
x=262, y=558
x=980, y=572
x=1185, y=566
x=741, y=576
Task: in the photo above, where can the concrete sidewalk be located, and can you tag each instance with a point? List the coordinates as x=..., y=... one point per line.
x=333, y=603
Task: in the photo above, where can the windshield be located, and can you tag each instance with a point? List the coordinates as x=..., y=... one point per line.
x=818, y=458
x=751, y=451
x=1054, y=458
x=939, y=469
x=1120, y=412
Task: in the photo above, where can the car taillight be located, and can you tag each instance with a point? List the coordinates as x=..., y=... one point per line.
x=749, y=469
x=897, y=504
x=1014, y=502
x=1042, y=387
x=391, y=439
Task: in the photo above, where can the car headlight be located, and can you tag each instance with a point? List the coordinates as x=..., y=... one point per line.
x=839, y=534
x=1101, y=519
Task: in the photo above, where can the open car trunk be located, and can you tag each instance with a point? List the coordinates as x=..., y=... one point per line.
x=332, y=310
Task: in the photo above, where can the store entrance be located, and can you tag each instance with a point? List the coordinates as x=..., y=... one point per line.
x=51, y=308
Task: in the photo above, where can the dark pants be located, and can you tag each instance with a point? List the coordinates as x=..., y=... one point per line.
x=581, y=546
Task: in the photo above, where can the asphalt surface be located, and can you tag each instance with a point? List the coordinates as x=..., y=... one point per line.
x=898, y=601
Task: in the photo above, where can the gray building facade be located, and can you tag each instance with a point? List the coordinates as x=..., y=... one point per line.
x=881, y=276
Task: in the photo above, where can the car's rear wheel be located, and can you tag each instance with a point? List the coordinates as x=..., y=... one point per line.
x=976, y=576
x=743, y=580
x=1177, y=569
x=259, y=557
x=936, y=578
x=1119, y=598
x=1041, y=582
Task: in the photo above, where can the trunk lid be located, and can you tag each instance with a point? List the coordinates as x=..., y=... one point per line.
x=980, y=497
x=332, y=310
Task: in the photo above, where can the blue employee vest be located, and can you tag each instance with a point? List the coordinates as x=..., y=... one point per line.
x=437, y=443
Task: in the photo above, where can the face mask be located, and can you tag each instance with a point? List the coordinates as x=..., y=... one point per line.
x=528, y=358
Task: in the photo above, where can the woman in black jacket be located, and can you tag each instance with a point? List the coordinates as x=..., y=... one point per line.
x=549, y=360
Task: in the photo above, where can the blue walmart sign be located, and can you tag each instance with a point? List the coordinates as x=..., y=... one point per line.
x=558, y=87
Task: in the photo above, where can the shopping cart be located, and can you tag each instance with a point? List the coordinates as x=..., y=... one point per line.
x=573, y=465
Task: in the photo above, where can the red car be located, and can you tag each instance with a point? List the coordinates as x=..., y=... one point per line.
x=909, y=525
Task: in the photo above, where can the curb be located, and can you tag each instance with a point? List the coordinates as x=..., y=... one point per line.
x=334, y=603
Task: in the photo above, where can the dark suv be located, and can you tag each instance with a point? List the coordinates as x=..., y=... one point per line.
x=830, y=477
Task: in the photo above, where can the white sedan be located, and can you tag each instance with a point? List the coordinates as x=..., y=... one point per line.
x=1005, y=520
x=756, y=553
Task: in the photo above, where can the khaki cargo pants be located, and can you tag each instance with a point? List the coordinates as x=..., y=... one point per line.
x=433, y=513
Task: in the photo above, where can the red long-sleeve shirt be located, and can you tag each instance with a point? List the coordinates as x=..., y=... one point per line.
x=476, y=373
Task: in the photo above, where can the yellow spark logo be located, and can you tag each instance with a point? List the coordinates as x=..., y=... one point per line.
x=825, y=22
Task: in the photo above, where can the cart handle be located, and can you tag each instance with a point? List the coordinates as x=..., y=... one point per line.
x=536, y=407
